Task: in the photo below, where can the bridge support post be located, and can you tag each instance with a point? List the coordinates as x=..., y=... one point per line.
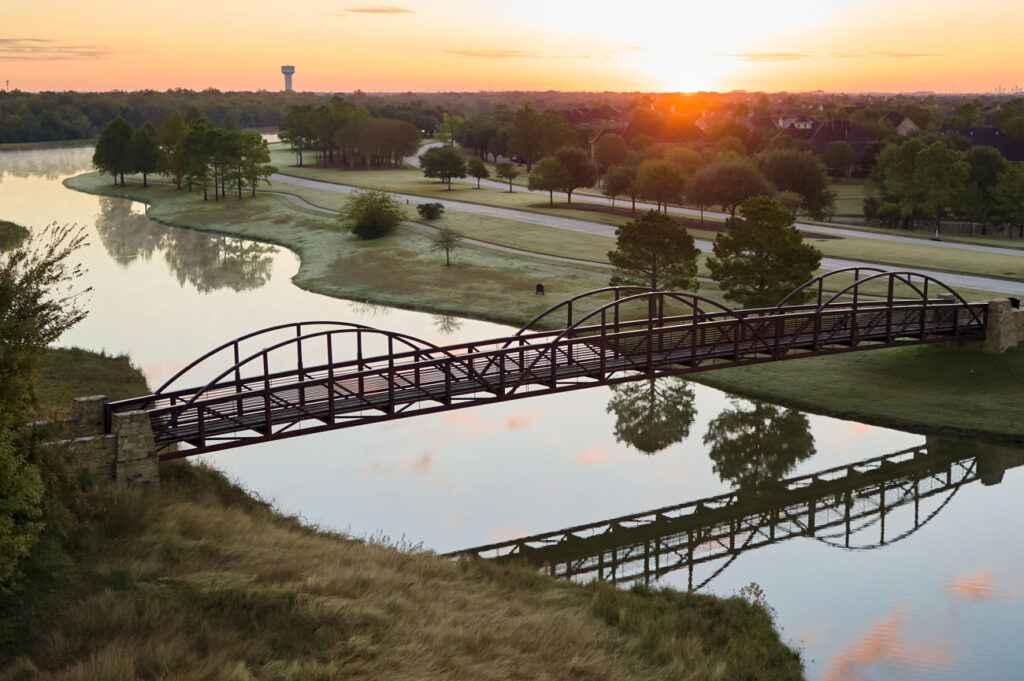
x=1004, y=328
x=136, y=462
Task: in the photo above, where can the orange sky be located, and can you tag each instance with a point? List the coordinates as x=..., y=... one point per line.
x=426, y=45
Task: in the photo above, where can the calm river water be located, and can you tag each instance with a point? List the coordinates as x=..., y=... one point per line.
x=943, y=601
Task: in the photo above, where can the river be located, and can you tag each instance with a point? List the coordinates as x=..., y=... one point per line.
x=943, y=601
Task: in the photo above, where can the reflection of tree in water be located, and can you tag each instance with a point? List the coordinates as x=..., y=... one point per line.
x=652, y=414
x=207, y=262
x=754, y=443
x=127, y=235
x=366, y=308
x=211, y=263
x=446, y=324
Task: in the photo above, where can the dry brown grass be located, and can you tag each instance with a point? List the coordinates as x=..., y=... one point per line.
x=199, y=581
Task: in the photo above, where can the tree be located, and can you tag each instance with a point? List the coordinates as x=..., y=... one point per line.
x=255, y=162
x=839, y=156
x=609, y=150
x=445, y=240
x=922, y=181
x=112, y=153
x=660, y=181
x=533, y=134
x=620, y=181
x=143, y=154
x=476, y=168
x=652, y=414
x=761, y=256
x=172, y=162
x=196, y=153
x=728, y=182
x=38, y=304
x=549, y=175
x=507, y=171
x=654, y=251
x=581, y=171
x=756, y=443
x=800, y=172
x=975, y=201
x=731, y=145
x=1009, y=195
x=371, y=213
x=443, y=163
x=686, y=159
x=449, y=128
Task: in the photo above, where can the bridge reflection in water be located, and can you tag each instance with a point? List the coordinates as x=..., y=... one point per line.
x=860, y=506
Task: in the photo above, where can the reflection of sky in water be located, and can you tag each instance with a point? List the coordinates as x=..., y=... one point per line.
x=944, y=604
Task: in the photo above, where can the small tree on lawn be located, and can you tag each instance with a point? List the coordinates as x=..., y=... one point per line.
x=581, y=170
x=371, y=213
x=761, y=256
x=654, y=251
x=445, y=240
x=549, y=175
x=476, y=168
x=443, y=163
x=620, y=181
x=507, y=171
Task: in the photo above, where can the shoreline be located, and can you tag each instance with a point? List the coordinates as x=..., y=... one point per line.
x=871, y=401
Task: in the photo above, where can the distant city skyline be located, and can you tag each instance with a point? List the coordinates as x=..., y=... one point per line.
x=428, y=45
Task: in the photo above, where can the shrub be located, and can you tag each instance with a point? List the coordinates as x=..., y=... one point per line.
x=430, y=211
x=372, y=213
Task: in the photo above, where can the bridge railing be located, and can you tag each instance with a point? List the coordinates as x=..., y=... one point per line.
x=393, y=385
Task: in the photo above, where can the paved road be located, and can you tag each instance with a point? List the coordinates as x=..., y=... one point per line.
x=819, y=229
x=1004, y=286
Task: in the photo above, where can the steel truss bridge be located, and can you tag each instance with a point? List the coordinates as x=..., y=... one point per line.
x=309, y=377
x=861, y=506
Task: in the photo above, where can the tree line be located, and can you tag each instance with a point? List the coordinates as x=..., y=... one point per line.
x=348, y=136
x=189, y=150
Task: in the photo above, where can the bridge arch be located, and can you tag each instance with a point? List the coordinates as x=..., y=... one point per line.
x=568, y=304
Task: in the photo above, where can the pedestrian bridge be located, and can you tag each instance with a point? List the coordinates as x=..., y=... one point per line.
x=309, y=377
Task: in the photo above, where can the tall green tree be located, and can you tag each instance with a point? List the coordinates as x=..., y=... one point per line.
x=476, y=168
x=728, y=182
x=113, y=153
x=609, y=150
x=144, y=154
x=1009, y=196
x=660, y=181
x=549, y=176
x=581, y=170
x=654, y=251
x=38, y=303
x=255, y=164
x=620, y=181
x=761, y=256
x=800, y=172
x=196, y=153
x=172, y=162
x=922, y=181
x=443, y=163
x=839, y=156
x=448, y=129
x=507, y=170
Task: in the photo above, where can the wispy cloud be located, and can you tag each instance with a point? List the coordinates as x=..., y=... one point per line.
x=513, y=54
x=903, y=55
x=766, y=56
x=44, y=49
x=380, y=9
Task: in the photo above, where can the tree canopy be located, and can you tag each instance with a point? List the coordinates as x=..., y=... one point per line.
x=113, y=149
x=549, y=175
x=654, y=251
x=371, y=213
x=443, y=163
x=581, y=172
x=761, y=256
x=728, y=182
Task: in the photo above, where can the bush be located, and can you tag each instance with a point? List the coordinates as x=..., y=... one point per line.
x=372, y=213
x=430, y=211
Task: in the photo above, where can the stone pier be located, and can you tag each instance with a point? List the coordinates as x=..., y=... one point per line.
x=1005, y=327
x=126, y=455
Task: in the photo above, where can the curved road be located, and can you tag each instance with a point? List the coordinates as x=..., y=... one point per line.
x=973, y=281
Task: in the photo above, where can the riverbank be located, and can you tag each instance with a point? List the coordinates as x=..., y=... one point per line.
x=873, y=387
x=199, y=579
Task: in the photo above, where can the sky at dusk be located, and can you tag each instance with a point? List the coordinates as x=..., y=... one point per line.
x=468, y=45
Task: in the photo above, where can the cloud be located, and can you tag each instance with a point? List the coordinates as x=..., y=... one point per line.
x=517, y=421
x=594, y=455
x=766, y=56
x=513, y=54
x=973, y=586
x=43, y=49
x=886, y=641
x=902, y=55
x=381, y=9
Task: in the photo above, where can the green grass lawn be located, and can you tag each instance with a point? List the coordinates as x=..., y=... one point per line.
x=65, y=373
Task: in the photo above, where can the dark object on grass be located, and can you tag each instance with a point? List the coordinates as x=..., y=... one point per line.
x=540, y=289
x=430, y=211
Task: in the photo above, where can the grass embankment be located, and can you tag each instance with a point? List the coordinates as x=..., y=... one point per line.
x=199, y=580
x=399, y=270
x=411, y=181
x=932, y=388
x=11, y=234
x=65, y=373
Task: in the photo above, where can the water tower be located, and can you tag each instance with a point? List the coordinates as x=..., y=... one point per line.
x=288, y=71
